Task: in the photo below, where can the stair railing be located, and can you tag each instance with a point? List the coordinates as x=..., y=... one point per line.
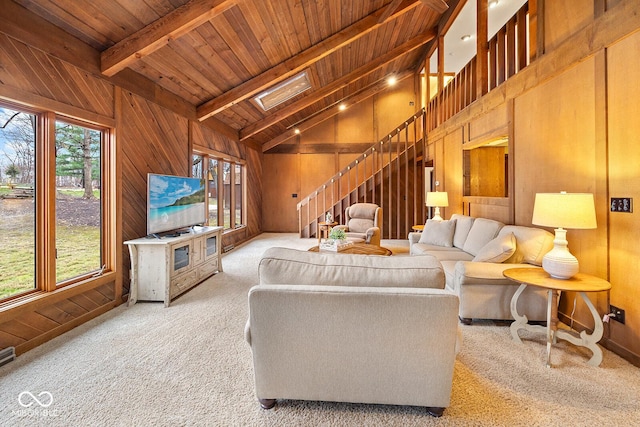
x=390, y=174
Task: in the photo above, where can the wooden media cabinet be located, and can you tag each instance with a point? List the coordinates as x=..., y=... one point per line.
x=163, y=268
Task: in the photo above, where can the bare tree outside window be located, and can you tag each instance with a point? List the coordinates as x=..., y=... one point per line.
x=17, y=205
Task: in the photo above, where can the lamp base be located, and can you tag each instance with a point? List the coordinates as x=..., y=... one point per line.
x=436, y=214
x=559, y=262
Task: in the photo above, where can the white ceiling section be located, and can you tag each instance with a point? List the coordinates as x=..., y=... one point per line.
x=459, y=52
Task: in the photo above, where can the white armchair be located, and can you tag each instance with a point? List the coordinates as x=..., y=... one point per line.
x=363, y=222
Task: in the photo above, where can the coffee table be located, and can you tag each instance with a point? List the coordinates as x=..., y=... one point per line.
x=359, y=249
x=580, y=283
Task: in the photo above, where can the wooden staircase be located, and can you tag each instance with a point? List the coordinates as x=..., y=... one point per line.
x=390, y=174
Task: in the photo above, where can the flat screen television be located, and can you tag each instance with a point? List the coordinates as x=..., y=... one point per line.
x=174, y=202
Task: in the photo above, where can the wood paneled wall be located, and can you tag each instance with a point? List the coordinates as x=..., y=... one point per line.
x=48, y=80
x=572, y=126
x=556, y=149
x=149, y=138
x=623, y=89
x=153, y=140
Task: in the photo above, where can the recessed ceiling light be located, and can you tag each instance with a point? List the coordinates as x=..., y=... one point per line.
x=392, y=81
x=296, y=131
x=465, y=37
x=342, y=107
x=493, y=3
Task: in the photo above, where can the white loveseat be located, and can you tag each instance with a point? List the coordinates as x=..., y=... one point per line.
x=474, y=253
x=352, y=328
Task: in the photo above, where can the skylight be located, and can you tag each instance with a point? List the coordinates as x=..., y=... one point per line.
x=283, y=91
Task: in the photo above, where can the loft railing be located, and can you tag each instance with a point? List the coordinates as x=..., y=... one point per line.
x=508, y=52
x=390, y=174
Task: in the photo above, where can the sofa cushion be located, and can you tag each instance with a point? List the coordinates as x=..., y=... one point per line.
x=498, y=249
x=423, y=248
x=449, y=268
x=360, y=225
x=482, y=232
x=531, y=244
x=355, y=237
x=448, y=255
x=438, y=233
x=463, y=225
x=291, y=266
x=363, y=210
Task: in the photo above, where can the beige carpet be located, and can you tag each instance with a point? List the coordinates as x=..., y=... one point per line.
x=189, y=365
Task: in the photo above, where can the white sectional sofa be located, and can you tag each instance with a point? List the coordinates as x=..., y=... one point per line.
x=352, y=328
x=474, y=252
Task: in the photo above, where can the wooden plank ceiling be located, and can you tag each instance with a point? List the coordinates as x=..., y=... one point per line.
x=218, y=54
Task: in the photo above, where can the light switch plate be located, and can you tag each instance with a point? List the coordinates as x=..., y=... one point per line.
x=622, y=204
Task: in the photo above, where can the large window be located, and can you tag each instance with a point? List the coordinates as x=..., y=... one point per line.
x=225, y=183
x=238, y=193
x=52, y=212
x=227, y=191
x=212, y=184
x=78, y=216
x=17, y=206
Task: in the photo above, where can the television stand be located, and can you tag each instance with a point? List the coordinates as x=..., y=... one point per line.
x=164, y=268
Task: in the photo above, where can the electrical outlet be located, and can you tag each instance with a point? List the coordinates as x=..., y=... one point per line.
x=619, y=314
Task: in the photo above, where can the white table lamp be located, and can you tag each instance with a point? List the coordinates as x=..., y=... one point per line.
x=563, y=210
x=437, y=200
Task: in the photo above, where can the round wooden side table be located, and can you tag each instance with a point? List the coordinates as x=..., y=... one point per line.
x=581, y=283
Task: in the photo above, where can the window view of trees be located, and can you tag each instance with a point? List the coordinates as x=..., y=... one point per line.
x=238, y=194
x=77, y=200
x=17, y=207
x=213, y=191
x=225, y=189
x=77, y=185
x=226, y=181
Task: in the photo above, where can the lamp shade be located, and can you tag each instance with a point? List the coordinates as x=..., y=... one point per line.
x=564, y=210
x=437, y=198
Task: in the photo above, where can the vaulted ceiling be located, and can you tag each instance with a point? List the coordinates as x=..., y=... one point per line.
x=218, y=54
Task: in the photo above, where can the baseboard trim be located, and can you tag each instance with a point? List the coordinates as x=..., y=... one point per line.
x=627, y=355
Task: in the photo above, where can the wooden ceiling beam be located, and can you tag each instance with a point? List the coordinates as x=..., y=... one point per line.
x=160, y=33
x=304, y=59
x=337, y=84
x=315, y=120
x=388, y=10
x=23, y=25
x=439, y=6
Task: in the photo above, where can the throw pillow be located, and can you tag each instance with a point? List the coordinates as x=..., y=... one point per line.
x=482, y=232
x=497, y=250
x=438, y=233
x=463, y=226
